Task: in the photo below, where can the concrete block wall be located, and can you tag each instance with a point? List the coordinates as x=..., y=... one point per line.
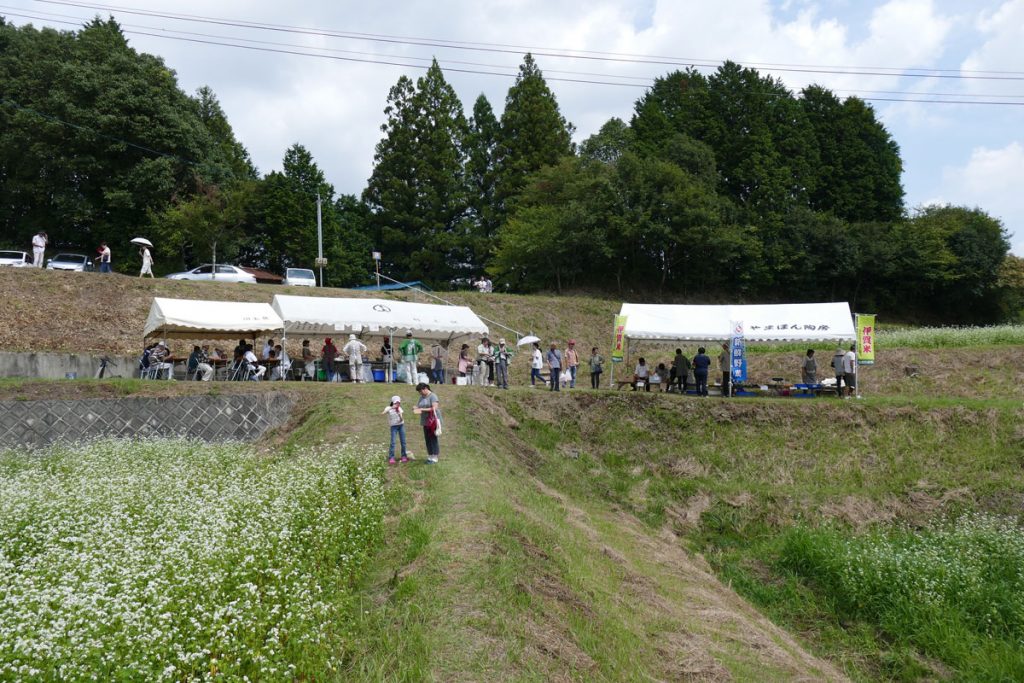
x=239, y=417
x=57, y=365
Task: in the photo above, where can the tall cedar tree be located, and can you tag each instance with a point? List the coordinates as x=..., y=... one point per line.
x=533, y=133
x=481, y=174
x=859, y=172
x=418, y=192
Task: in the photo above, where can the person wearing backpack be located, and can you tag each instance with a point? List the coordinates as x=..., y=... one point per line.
x=429, y=410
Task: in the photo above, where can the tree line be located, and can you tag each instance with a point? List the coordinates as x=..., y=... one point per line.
x=720, y=187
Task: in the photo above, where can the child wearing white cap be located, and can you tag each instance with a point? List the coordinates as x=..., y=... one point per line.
x=396, y=420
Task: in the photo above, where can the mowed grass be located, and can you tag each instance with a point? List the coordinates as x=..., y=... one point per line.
x=752, y=484
x=174, y=560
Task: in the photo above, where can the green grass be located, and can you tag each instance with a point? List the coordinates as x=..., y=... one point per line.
x=753, y=471
x=916, y=338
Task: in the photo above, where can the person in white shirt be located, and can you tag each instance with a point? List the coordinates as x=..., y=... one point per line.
x=162, y=355
x=485, y=359
x=267, y=348
x=355, y=349
x=280, y=371
x=104, y=258
x=536, y=365
x=255, y=369
x=38, y=248
x=850, y=370
x=147, y=262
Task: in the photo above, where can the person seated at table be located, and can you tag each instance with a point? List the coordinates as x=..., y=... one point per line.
x=267, y=348
x=199, y=364
x=240, y=349
x=308, y=360
x=280, y=371
x=256, y=371
x=642, y=373
x=809, y=368
x=661, y=374
x=161, y=355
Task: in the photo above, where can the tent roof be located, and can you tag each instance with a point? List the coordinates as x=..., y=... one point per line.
x=764, y=322
x=190, y=319
x=314, y=315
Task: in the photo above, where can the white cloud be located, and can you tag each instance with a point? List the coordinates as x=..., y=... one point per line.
x=992, y=180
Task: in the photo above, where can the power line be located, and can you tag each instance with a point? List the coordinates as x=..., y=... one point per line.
x=910, y=72
x=164, y=34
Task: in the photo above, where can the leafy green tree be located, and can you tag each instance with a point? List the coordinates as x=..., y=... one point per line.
x=858, y=176
x=418, y=190
x=481, y=149
x=609, y=143
x=228, y=159
x=533, y=132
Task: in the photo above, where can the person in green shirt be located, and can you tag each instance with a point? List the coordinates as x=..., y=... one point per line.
x=410, y=350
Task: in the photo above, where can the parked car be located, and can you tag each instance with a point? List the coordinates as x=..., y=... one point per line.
x=299, y=277
x=224, y=273
x=80, y=263
x=15, y=259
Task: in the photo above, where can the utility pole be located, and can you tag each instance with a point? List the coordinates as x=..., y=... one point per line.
x=376, y=263
x=319, y=241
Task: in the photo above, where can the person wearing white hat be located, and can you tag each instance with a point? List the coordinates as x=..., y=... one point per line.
x=396, y=421
x=354, y=349
x=161, y=354
x=501, y=360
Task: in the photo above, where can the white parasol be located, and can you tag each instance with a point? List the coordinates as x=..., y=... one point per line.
x=142, y=242
x=528, y=339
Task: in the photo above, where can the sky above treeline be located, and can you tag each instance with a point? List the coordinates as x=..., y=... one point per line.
x=946, y=77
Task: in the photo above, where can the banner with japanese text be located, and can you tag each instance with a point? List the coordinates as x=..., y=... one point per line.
x=865, y=339
x=737, y=352
x=619, y=339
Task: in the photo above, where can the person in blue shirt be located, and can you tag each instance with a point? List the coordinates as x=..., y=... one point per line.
x=701, y=363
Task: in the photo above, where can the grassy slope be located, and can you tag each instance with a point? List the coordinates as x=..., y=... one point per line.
x=55, y=311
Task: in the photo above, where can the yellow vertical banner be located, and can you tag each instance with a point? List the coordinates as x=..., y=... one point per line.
x=619, y=339
x=865, y=339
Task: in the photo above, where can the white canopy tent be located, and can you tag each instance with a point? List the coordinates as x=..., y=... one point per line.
x=314, y=315
x=191, y=319
x=761, y=322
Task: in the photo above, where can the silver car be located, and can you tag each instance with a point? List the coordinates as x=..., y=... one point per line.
x=299, y=277
x=224, y=273
x=79, y=263
x=15, y=259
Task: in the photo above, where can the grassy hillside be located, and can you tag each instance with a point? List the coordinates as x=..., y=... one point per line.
x=55, y=311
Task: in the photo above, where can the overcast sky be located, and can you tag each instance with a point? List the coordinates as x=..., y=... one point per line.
x=970, y=154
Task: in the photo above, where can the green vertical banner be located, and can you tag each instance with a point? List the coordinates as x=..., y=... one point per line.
x=619, y=339
x=865, y=339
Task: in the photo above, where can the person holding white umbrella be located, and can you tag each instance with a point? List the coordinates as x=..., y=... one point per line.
x=147, y=258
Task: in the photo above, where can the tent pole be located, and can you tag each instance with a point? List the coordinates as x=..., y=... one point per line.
x=391, y=357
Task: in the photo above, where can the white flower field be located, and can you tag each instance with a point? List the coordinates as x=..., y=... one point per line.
x=173, y=560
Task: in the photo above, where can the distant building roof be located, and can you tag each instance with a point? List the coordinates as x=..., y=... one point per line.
x=263, y=276
x=391, y=286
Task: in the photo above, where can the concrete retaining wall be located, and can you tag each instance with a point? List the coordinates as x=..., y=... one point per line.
x=239, y=417
x=57, y=365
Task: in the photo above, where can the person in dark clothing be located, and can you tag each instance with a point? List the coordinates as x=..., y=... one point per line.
x=681, y=370
x=701, y=363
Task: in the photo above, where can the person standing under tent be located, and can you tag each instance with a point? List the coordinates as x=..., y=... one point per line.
x=410, y=350
x=572, y=362
x=501, y=360
x=725, y=367
x=681, y=367
x=596, y=368
x=327, y=355
x=465, y=367
x=104, y=258
x=554, y=366
x=438, y=354
x=39, y=242
x=837, y=367
x=850, y=370
x=701, y=363
x=536, y=365
x=429, y=410
x=355, y=349
x=147, y=262
x=308, y=360
x=809, y=369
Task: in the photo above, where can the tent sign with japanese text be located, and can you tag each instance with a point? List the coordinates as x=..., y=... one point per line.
x=737, y=352
x=865, y=339
x=619, y=339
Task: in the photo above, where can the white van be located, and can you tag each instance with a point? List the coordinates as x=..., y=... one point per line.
x=299, y=277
